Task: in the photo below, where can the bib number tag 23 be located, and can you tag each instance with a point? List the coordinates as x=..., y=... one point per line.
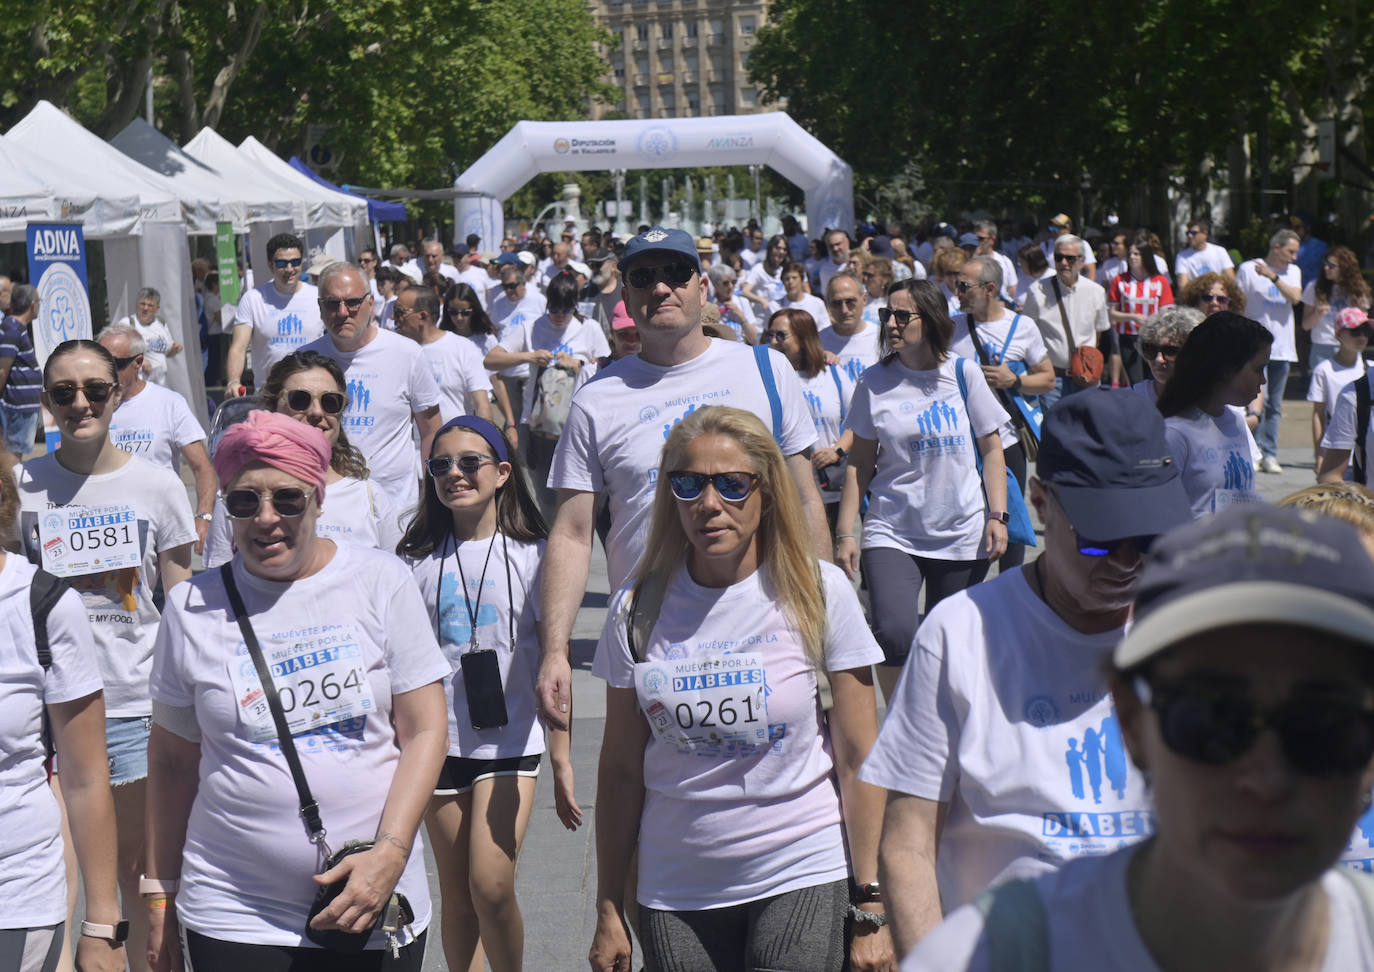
x=318, y=686
x=77, y=540
x=711, y=704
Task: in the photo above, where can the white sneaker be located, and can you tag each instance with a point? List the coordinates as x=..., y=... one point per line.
x=1270, y=465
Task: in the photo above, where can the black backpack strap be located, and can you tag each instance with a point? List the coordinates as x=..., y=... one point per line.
x=44, y=593
x=1357, y=454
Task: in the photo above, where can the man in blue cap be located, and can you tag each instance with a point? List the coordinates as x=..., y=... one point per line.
x=1001, y=751
x=614, y=435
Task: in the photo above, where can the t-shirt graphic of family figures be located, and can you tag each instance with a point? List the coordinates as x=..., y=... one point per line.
x=1100, y=753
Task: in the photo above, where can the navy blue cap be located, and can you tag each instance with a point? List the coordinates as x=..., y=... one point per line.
x=460, y=249
x=1105, y=452
x=656, y=239
x=1252, y=564
x=881, y=246
x=508, y=260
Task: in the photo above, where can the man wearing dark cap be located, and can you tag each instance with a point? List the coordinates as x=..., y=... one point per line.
x=604, y=290
x=614, y=435
x=1001, y=746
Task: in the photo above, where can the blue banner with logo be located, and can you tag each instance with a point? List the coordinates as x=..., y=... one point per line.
x=57, y=267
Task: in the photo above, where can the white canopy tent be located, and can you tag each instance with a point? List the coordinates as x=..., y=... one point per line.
x=104, y=212
x=341, y=218
x=158, y=257
x=772, y=139
x=191, y=178
x=25, y=196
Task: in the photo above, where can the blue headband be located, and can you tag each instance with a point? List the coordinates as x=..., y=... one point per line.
x=483, y=428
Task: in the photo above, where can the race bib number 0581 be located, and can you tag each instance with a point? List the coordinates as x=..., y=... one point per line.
x=712, y=704
x=77, y=540
x=318, y=686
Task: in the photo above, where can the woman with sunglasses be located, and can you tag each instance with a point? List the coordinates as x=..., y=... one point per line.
x=763, y=283
x=465, y=316
x=1339, y=285
x=1220, y=370
x=89, y=502
x=827, y=389
x=1244, y=691
x=51, y=704
x=1212, y=292
x=479, y=520
x=1161, y=338
x=1132, y=296
x=310, y=388
x=360, y=681
x=932, y=521
x=717, y=757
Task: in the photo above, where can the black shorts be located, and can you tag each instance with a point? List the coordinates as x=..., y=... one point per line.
x=459, y=774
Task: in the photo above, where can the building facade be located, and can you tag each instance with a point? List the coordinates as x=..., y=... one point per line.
x=682, y=58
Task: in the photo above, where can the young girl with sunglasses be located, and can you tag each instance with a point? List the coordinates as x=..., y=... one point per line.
x=1245, y=691
x=476, y=544
x=90, y=503
x=310, y=388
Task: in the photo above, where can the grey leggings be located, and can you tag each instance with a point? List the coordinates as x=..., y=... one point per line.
x=895, y=578
x=799, y=931
x=30, y=949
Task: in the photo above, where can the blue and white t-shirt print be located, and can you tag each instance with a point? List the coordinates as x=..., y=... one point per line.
x=282, y=323
x=1214, y=459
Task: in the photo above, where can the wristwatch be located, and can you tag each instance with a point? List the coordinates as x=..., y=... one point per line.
x=205, y=516
x=1003, y=518
x=118, y=932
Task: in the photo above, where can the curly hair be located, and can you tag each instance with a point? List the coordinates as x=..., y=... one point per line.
x=1348, y=278
x=1192, y=294
x=345, y=459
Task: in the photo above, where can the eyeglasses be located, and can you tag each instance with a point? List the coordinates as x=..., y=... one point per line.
x=963, y=286
x=331, y=403
x=1150, y=350
x=773, y=337
x=366, y=261
x=1320, y=736
x=1105, y=548
x=902, y=317
x=122, y=363
x=244, y=504
x=561, y=311
x=673, y=274
x=453, y=312
x=1223, y=300
x=468, y=464
x=510, y=287
x=1328, y=265
x=283, y=264
x=1192, y=232
x=96, y=391
x=845, y=302
x=733, y=487
x=1065, y=258
x=984, y=239
x=330, y=305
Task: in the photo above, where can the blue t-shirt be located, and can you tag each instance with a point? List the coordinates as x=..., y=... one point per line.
x=24, y=387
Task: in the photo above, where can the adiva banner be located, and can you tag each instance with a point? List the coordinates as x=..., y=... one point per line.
x=57, y=266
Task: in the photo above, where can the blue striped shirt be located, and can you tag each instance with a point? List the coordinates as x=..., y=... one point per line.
x=24, y=387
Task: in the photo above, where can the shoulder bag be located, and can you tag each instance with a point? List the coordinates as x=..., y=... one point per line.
x=1019, y=527
x=1026, y=414
x=1085, y=364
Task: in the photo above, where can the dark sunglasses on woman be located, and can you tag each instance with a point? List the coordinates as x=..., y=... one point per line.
x=244, y=504
x=734, y=487
x=64, y=393
x=332, y=403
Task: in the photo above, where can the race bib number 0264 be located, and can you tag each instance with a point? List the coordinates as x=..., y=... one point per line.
x=712, y=704
x=318, y=685
x=77, y=540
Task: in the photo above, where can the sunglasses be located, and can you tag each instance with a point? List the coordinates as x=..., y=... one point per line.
x=963, y=286
x=772, y=336
x=902, y=317
x=1065, y=258
x=1214, y=299
x=1105, y=548
x=454, y=312
x=283, y=264
x=734, y=487
x=331, y=403
x=1150, y=350
x=845, y=302
x=673, y=274
x=122, y=363
x=1320, y=736
x=331, y=305
x=508, y=287
x=468, y=464
x=96, y=391
x=244, y=504
x=561, y=311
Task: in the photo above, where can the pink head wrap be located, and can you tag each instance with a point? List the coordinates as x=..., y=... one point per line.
x=295, y=448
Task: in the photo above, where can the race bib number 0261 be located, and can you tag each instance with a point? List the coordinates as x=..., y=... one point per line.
x=318, y=685
x=77, y=540
x=712, y=704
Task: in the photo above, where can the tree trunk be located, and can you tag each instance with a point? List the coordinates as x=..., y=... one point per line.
x=224, y=80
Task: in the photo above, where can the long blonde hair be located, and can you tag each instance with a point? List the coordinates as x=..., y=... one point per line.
x=784, y=545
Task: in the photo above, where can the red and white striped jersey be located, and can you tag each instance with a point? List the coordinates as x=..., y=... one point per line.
x=1139, y=298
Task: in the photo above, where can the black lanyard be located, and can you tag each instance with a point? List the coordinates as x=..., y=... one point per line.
x=472, y=608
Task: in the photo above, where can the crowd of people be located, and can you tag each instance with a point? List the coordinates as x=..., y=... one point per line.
x=1139, y=737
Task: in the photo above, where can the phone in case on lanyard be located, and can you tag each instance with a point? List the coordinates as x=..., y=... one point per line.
x=485, y=694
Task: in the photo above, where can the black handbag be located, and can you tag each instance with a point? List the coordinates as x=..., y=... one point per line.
x=398, y=911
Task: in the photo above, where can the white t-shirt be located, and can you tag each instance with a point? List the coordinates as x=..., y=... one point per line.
x=722, y=827
x=457, y=368
x=33, y=882
x=1090, y=925
x=1344, y=425
x=159, y=341
x=1266, y=304
x=825, y=270
x=1213, y=456
x=1002, y=713
x=579, y=338
x=857, y=352
x=281, y=323
x=1085, y=304
x=1212, y=259
x=356, y=510
x=246, y=866
x=764, y=284
x=388, y=383
x=926, y=496
x=751, y=258
x=1150, y=390
x=479, y=280
x=490, y=599
x=155, y=424
x=123, y=636
x=1329, y=380
x=1024, y=350
x=1324, y=330
x=506, y=314
x=827, y=396
x=810, y=303
x=614, y=436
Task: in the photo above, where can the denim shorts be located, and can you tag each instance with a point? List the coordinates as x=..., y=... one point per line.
x=126, y=743
x=20, y=427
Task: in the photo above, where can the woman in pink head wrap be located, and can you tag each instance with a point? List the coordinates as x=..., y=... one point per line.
x=358, y=674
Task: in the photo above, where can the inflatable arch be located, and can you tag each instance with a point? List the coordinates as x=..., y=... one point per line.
x=772, y=139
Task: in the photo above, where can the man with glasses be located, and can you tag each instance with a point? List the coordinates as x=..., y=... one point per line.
x=400, y=260
x=556, y=263
x=455, y=362
x=157, y=336
x=614, y=435
x=1060, y=226
x=389, y=384
x=514, y=304
x=21, y=380
x=1001, y=745
x=985, y=234
x=156, y=423
x=1200, y=256
x=1063, y=303
x=277, y=318
x=432, y=260
x=850, y=338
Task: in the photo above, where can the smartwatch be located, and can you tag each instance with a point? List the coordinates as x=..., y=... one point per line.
x=1003, y=518
x=118, y=932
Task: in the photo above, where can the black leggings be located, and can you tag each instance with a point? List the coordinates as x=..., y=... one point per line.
x=894, y=587
x=1016, y=462
x=212, y=955
x=800, y=931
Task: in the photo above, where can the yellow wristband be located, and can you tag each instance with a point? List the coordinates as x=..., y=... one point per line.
x=159, y=902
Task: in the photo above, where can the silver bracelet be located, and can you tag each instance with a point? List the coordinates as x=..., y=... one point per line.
x=875, y=918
